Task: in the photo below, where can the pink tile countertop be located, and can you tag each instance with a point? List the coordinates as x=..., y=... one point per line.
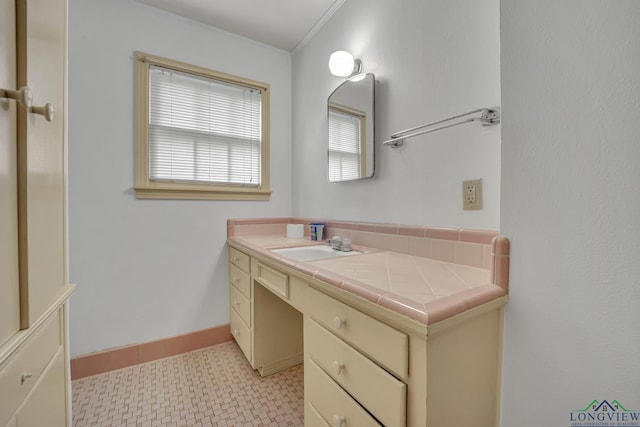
x=423, y=289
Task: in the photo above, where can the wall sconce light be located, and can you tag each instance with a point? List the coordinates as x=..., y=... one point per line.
x=343, y=64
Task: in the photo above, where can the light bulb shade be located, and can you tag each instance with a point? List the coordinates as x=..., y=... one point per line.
x=342, y=64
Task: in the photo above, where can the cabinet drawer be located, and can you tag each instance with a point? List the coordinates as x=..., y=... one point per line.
x=242, y=334
x=333, y=404
x=381, y=342
x=273, y=279
x=240, y=280
x=312, y=418
x=15, y=382
x=241, y=260
x=377, y=390
x=46, y=404
x=240, y=304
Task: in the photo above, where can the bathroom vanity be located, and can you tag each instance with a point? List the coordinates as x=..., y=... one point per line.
x=373, y=356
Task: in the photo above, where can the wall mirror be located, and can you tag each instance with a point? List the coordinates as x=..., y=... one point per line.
x=351, y=129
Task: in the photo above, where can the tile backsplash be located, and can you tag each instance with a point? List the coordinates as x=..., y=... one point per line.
x=475, y=248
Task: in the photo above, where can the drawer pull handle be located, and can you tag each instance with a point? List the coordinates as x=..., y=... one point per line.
x=337, y=367
x=236, y=304
x=236, y=332
x=235, y=280
x=338, y=322
x=25, y=376
x=236, y=259
x=338, y=421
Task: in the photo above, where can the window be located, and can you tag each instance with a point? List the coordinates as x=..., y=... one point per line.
x=346, y=143
x=201, y=134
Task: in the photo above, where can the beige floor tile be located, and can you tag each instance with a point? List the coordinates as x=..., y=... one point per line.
x=214, y=387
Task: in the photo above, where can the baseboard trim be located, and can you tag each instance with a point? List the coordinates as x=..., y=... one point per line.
x=122, y=357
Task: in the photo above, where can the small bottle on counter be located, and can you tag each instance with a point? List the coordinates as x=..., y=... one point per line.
x=316, y=231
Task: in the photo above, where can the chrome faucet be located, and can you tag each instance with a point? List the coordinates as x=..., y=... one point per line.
x=335, y=242
x=340, y=244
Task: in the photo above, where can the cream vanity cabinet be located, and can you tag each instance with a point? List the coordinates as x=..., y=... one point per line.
x=33, y=279
x=365, y=365
x=268, y=331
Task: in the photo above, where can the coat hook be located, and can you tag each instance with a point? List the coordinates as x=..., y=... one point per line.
x=23, y=95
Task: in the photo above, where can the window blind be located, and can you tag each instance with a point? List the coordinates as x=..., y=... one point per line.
x=344, y=146
x=203, y=130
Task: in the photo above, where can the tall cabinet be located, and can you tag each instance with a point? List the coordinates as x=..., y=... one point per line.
x=34, y=360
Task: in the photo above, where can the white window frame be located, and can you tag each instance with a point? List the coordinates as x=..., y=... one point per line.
x=147, y=188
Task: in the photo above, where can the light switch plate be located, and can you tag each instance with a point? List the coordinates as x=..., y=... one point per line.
x=472, y=195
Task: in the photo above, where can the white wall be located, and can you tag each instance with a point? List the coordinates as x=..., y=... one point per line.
x=570, y=203
x=568, y=199
x=432, y=59
x=148, y=269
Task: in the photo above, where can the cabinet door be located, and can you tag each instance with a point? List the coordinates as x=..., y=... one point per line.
x=46, y=405
x=41, y=41
x=9, y=285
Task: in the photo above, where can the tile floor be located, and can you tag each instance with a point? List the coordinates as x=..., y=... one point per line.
x=214, y=386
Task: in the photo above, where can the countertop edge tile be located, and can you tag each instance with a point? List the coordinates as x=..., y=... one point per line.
x=445, y=307
x=306, y=268
x=329, y=277
x=291, y=263
x=406, y=306
x=451, y=305
x=363, y=290
x=482, y=294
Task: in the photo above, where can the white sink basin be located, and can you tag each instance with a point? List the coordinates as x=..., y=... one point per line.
x=313, y=253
